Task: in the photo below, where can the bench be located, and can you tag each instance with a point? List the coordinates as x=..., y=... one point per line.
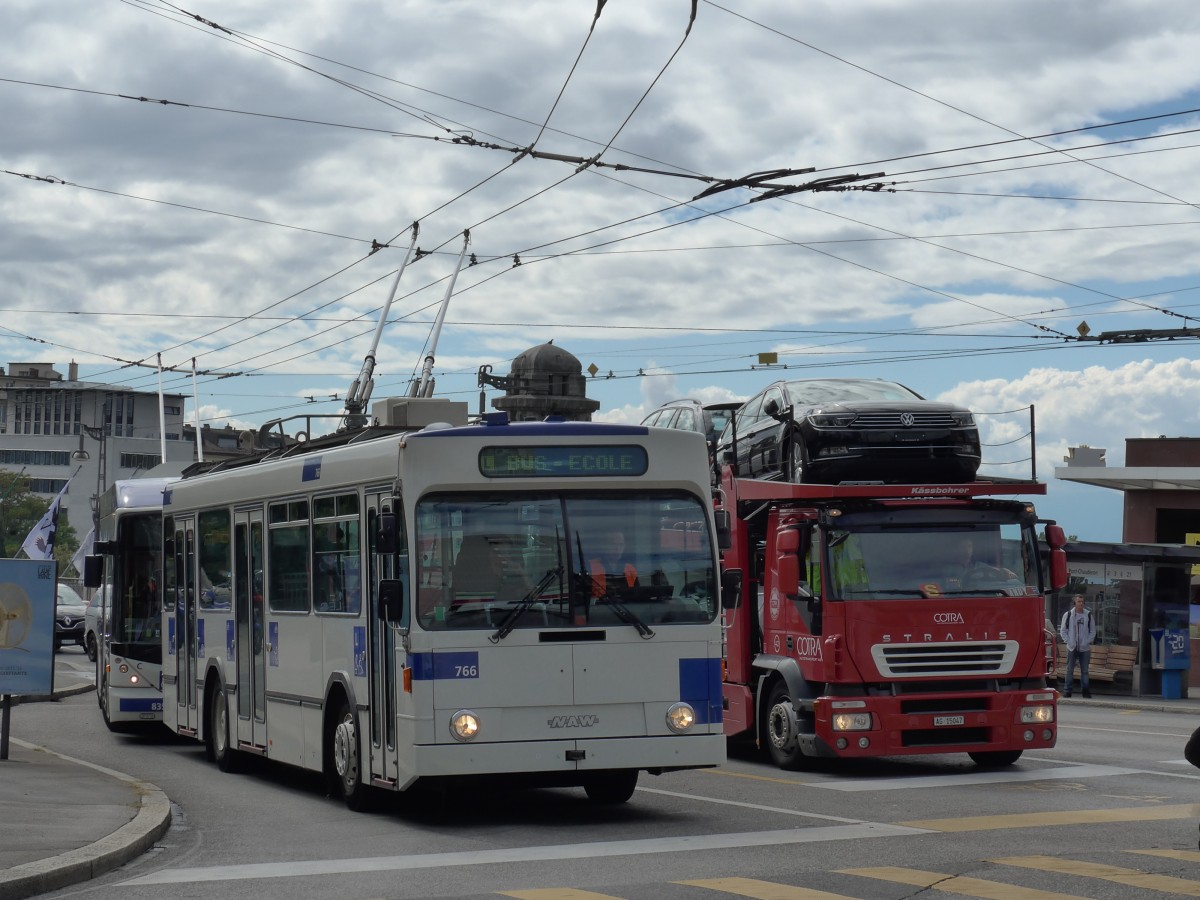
x=1109, y=662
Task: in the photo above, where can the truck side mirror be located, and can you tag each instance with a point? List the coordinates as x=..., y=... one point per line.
x=1057, y=539
x=731, y=588
x=724, y=530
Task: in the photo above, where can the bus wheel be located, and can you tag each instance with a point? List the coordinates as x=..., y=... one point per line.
x=89, y=646
x=221, y=750
x=992, y=759
x=610, y=788
x=344, y=757
x=782, y=729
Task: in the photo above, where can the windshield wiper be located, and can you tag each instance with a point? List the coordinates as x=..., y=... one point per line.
x=626, y=615
x=510, y=621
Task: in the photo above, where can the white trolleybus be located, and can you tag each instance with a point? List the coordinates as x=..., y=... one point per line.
x=127, y=572
x=392, y=606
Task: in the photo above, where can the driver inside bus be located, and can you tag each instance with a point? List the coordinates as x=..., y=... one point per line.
x=608, y=563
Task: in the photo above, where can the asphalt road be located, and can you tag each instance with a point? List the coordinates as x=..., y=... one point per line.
x=1107, y=813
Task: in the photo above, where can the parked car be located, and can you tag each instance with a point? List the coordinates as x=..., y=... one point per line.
x=69, y=615
x=828, y=430
x=95, y=623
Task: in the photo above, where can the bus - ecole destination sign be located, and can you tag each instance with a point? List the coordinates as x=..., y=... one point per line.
x=561, y=462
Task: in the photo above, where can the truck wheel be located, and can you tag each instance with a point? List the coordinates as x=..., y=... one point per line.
x=992, y=759
x=610, y=788
x=782, y=728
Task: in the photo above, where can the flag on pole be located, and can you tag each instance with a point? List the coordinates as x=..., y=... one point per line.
x=40, y=542
x=84, y=549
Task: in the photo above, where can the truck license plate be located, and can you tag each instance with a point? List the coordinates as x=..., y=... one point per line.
x=948, y=720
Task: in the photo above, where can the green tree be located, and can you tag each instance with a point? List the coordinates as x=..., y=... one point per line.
x=20, y=510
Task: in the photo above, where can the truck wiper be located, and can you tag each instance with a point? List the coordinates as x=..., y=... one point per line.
x=510, y=621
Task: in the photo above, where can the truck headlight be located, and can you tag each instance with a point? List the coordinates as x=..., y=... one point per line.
x=681, y=717
x=1037, y=715
x=846, y=721
x=464, y=725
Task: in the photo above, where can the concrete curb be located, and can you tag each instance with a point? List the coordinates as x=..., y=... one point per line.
x=132, y=839
x=73, y=690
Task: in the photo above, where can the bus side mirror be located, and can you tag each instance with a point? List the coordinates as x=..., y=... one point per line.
x=391, y=600
x=385, y=539
x=93, y=571
x=731, y=588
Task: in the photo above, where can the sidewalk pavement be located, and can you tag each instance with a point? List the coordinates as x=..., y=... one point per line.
x=66, y=820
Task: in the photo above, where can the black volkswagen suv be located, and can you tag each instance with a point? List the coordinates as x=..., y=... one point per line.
x=828, y=430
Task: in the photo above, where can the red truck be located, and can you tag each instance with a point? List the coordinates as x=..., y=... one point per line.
x=870, y=620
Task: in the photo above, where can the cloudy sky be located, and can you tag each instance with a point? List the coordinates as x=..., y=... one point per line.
x=208, y=183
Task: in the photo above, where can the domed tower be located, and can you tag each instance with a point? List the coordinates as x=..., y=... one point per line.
x=544, y=381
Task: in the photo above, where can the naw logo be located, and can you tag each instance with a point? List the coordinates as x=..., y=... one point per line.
x=573, y=721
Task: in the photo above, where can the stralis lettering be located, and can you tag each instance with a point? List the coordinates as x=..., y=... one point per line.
x=949, y=638
x=573, y=721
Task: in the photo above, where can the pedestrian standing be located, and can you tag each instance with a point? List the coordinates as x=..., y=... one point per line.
x=1078, y=631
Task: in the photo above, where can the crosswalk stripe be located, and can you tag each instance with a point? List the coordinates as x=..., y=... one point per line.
x=762, y=890
x=556, y=894
x=1145, y=881
x=1183, y=855
x=957, y=884
x=1058, y=817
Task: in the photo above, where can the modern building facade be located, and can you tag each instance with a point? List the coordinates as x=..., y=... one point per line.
x=54, y=427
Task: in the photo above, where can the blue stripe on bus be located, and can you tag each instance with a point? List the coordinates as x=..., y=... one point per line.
x=533, y=429
x=700, y=685
x=438, y=666
x=150, y=704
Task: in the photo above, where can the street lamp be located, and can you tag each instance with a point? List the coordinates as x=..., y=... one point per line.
x=81, y=455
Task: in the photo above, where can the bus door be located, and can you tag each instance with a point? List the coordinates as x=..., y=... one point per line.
x=185, y=626
x=249, y=646
x=385, y=700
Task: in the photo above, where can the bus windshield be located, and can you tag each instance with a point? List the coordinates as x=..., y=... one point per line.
x=888, y=562
x=136, y=609
x=563, y=560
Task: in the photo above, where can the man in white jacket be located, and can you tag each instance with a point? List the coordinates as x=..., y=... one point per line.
x=1078, y=631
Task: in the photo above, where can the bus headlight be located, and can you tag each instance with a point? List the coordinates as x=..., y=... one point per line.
x=681, y=717
x=464, y=725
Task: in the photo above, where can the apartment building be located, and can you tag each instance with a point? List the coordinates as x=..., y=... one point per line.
x=53, y=427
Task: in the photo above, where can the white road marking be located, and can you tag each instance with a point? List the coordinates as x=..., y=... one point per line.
x=755, y=806
x=980, y=777
x=686, y=844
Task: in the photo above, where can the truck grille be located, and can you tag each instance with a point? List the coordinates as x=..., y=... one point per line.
x=892, y=420
x=940, y=660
